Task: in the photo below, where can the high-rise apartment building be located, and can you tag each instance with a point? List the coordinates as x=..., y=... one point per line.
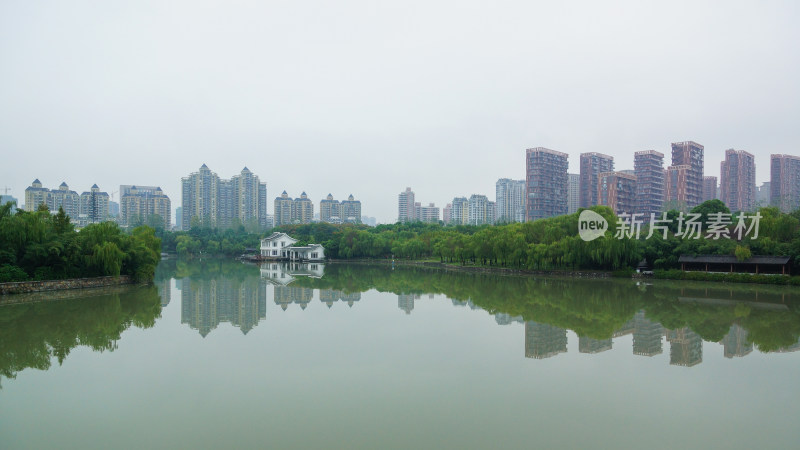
x=573, y=193
x=139, y=204
x=592, y=164
x=429, y=213
x=709, y=188
x=459, y=211
x=510, y=196
x=784, y=182
x=738, y=180
x=406, y=203
x=648, y=166
x=89, y=207
x=221, y=203
x=94, y=205
x=546, y=181
x=446, y=213
x=617, y=190
x=36, y=195
x=64, y=197
x=283, y=209
x=690, y=191
x=302, y=209
x=478, y=210
x=351, y=210
x=675, y=185
x=329, y=210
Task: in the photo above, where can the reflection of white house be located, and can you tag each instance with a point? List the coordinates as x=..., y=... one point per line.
x=281, y=246
x=283, y=274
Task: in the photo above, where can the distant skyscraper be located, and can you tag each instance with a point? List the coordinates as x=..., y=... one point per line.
x=351, y=210
x=543, y=340
x=36, y=195
x=675, y=185
x=648, y=165
x=459, y=212
x=330, y=210
x=406, y=206
x=546, y=181
x=138, y=204
x=592, y=164
x=689, y=189
x=113, y=209
x=178, y=217
x=94, y=205
x=302, y=209
x=738, y=180
x=283, y=210
x=784, y=182
x=429, y=213
x=218, y=202
x=8, y=198
x=709, y=188
x=573, y=193
x=510, y=196
x=446, y=213
x=617, y=190
x=64, y=197
x=478, y=210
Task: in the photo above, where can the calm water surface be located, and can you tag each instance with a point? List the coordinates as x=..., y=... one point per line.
x=222, y=354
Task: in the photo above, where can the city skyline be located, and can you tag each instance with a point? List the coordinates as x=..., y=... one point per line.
x=114, y=96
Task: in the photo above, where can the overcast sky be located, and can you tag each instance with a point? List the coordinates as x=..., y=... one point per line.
x=370, y=97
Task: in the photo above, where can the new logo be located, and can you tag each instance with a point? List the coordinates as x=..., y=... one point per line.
x=591, y=225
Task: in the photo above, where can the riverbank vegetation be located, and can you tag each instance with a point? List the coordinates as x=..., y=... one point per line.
x=40, y=246
x=548, y=244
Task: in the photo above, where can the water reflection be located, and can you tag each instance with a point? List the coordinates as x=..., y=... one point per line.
x=684, y=315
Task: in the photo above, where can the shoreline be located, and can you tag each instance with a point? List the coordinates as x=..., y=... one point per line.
x=27, y=287
x=735, y=278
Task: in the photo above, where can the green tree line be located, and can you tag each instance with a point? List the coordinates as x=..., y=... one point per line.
x=42, y=246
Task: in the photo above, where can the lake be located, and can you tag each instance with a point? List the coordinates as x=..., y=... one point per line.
x=223, y=354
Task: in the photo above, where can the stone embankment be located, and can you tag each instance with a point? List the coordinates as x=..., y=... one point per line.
x=25, y=287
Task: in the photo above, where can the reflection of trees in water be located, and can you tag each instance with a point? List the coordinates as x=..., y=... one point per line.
x=767, y=316
x=32, y=334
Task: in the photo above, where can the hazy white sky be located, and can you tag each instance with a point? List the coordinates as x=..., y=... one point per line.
x=370, y=97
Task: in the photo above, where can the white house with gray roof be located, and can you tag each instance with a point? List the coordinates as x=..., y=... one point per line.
x=280, y=246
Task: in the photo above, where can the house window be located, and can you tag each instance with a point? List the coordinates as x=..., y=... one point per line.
x=274, y=244
x=313, y=255
x=274, y=253
x=283, y=244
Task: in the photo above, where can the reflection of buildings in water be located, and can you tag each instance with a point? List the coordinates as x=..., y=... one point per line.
x=206, y=303
x=646, y=336
x=164, y=292
x=735, y=342
x=283, y=273
x=406, y=302
x=458, y=302
x=507, y=319
x=286, y=295
x=589, y=345
x=685, y=347
x=543, y=341
x=331, y=296
x=627, y=328
x=471, y=305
